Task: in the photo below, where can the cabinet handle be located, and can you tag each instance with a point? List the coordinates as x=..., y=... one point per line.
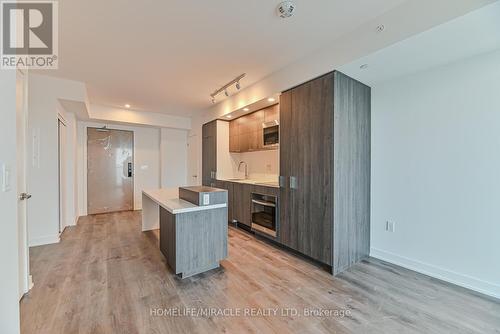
x=282, y=181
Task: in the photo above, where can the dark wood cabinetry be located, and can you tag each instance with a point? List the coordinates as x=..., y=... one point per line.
x=229, y=187
x=209, y=154
x=246, y=132
x=324, y=162
x=242, y=196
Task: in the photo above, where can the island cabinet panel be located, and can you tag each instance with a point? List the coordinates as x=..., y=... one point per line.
x=201, y=240
x=167, y=237
x=193, y=242
x=209, y=153
x=324, y=167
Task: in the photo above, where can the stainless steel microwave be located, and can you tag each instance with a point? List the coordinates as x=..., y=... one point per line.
x=271, y=131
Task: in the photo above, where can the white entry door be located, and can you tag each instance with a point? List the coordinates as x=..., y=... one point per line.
x=110, y=180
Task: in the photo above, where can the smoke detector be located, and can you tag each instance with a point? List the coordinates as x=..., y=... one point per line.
x=286, y=9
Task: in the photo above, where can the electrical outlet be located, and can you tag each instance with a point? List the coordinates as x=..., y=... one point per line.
x=206, y=199
x=390, y=226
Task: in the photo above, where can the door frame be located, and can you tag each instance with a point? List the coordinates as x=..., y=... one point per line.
x=61, y=168
x=84, y=143
x=193, y=165
x=25, y=283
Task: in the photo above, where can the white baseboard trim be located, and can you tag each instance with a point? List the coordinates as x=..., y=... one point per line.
x=151, y=228
x=47, y=240
x=462, y=280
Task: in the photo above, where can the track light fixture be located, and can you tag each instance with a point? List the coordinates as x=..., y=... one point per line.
x=235, y=81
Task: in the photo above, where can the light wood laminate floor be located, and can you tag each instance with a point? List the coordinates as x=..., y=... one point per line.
x=106, y=276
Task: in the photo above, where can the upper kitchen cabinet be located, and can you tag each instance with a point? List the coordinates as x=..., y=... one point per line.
x=325, y=170
x=248, y=133
x=209, y=154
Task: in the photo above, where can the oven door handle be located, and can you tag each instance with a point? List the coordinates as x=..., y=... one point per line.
x=264, y=203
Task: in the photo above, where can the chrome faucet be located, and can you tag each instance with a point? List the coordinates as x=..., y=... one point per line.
x=246, y=168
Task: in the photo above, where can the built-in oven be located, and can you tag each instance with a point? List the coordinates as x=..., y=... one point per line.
x=265, y=214
x=271, y=132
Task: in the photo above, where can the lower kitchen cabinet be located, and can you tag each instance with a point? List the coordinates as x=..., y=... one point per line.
x=242, y=197
x=229, y=187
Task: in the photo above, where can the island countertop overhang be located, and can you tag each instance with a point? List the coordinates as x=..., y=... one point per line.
x=173, y=204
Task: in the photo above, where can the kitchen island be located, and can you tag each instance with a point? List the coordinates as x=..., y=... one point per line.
x=193, y=226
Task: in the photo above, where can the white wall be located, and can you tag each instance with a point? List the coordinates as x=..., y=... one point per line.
x=9, y=279
x=100, y=113
x=146, y=161
x=174, y=153
x=436, y=172
x=42, y=154
x=225, y=161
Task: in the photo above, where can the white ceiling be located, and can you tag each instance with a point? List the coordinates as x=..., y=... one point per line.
x=472, y=34
x=168, y=56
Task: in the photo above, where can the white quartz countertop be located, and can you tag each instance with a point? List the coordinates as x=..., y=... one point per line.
x=264, y=183
x=170, y=201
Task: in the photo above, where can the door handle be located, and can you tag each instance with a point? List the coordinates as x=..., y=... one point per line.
x=129, y=169
x=24, y=196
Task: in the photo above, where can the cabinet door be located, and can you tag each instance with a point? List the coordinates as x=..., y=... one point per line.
x=241, y=203
x=288, y=224
x=234, y=143
x=312, y=167
x=209, y=153
x=272, y=113
x=256, y=140
x=234, y=136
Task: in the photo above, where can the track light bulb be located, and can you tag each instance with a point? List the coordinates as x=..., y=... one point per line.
x=226, y=93
x=238, y=85
x=213, y=100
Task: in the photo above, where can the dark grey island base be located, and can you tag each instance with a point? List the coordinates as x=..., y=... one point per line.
x=193, y=228
x=193, y=242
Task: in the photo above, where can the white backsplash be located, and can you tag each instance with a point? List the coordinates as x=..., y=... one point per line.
x=262, y=165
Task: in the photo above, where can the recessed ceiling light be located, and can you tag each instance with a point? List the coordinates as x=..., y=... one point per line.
x=229, y=116
x=127, y=106
x=364, y=66
x=246, y=109
x=271, y=99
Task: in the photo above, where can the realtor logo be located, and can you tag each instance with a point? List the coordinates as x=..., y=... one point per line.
x=29, y=34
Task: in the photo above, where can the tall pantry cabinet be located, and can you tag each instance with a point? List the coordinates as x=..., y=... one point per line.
x=325, y=170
